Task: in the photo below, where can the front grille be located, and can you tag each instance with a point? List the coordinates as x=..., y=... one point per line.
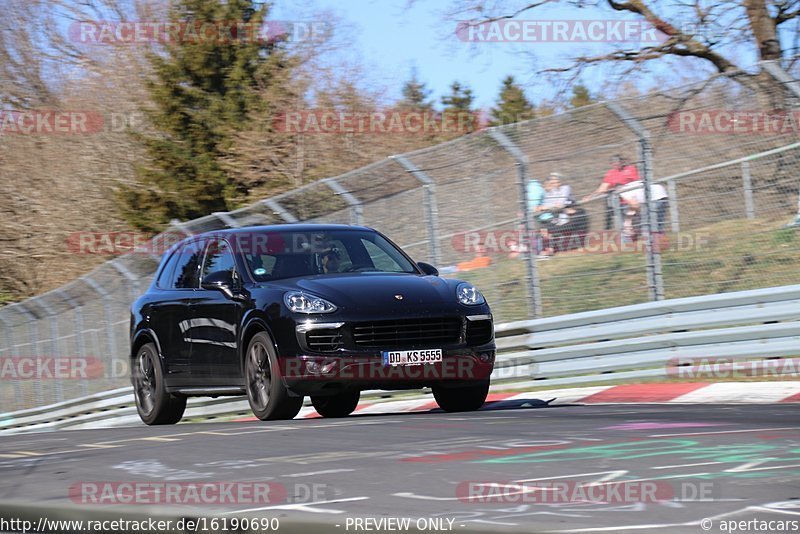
x=407, y=333
x=479, y=332
x=324, y=339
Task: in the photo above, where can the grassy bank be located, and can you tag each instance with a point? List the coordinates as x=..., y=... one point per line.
x=728, y=256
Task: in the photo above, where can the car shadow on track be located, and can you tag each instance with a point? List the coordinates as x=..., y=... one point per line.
x=496, y=405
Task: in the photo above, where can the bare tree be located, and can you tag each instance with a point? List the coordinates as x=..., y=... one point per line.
x=57, y=185
x=721, y=34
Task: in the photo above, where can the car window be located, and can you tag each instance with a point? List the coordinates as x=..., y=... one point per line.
x=218, y=258
x=187, y=268
x=165, y=278
x=280, y=255
x=380, y=259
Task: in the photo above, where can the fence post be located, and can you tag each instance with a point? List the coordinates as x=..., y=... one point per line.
x=674, y=216
x=130, y=277
x=793, y=86
x=51, y=316
x=528, y=223
x=616, y=209
x=226, y=219
x=33, y=337
x=747, y=184
x=80, y=341
x=429, y=188
x=649, y=220
x=356, y=213
x=12, y=346
x=109, y=318
x=279, y=210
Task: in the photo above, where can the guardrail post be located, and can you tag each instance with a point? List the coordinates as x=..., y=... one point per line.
x=528, y=222
x=674, y=216
x=429, y=188
x=356, y=211
x=747, y=184
x=649, y=219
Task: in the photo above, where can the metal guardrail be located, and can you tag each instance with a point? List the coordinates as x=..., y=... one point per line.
x=629, y=342
x=639, y=341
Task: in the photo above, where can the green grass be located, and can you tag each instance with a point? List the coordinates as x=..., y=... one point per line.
x=6, y=298
x=733, y=255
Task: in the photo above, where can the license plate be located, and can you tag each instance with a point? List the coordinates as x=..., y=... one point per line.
x=411, y=357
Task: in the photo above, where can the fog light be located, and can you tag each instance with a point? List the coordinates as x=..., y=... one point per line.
x=485, y=357
x=321, y=366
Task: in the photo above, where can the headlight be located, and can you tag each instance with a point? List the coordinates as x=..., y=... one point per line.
x=302, y=303
x=467, y=294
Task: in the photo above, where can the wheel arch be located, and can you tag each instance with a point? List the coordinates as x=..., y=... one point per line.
x=142, y=338
x=252, y=326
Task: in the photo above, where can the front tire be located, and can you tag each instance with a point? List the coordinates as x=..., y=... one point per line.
x=155, y=405
x=269, y=399
x=340, y=405
x=461, y=398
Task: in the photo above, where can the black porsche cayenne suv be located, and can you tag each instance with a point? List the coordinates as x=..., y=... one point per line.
x=280, y=312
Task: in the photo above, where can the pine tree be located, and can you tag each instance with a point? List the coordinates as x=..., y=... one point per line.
x=415, y=95
x=581, y=96
x=458, y=112
x=202, y=92
x=512, y=104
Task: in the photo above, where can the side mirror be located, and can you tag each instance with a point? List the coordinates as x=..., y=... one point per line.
x=428, y=269
x=220, y=281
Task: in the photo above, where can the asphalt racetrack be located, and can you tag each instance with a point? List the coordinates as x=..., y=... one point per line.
x=681, y=463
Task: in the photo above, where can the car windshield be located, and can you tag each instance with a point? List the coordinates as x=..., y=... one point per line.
x=278, y=255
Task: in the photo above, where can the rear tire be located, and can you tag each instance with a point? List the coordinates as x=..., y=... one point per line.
x=268, y=396
x=155, y=405
x=461, y=398
x=340, y=405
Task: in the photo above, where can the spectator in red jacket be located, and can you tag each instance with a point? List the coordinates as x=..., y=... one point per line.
x=620, y=173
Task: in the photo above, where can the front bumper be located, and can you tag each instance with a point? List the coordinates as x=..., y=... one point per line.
x=333, y=354
x=331, y=374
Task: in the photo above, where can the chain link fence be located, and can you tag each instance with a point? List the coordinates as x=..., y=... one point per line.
x=722, y=158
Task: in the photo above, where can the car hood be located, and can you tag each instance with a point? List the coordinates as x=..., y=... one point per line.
x=379, y=291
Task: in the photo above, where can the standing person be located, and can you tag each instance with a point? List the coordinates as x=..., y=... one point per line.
x=620, y=173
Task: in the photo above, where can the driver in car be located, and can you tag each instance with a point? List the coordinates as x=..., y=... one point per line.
x=331, y=260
